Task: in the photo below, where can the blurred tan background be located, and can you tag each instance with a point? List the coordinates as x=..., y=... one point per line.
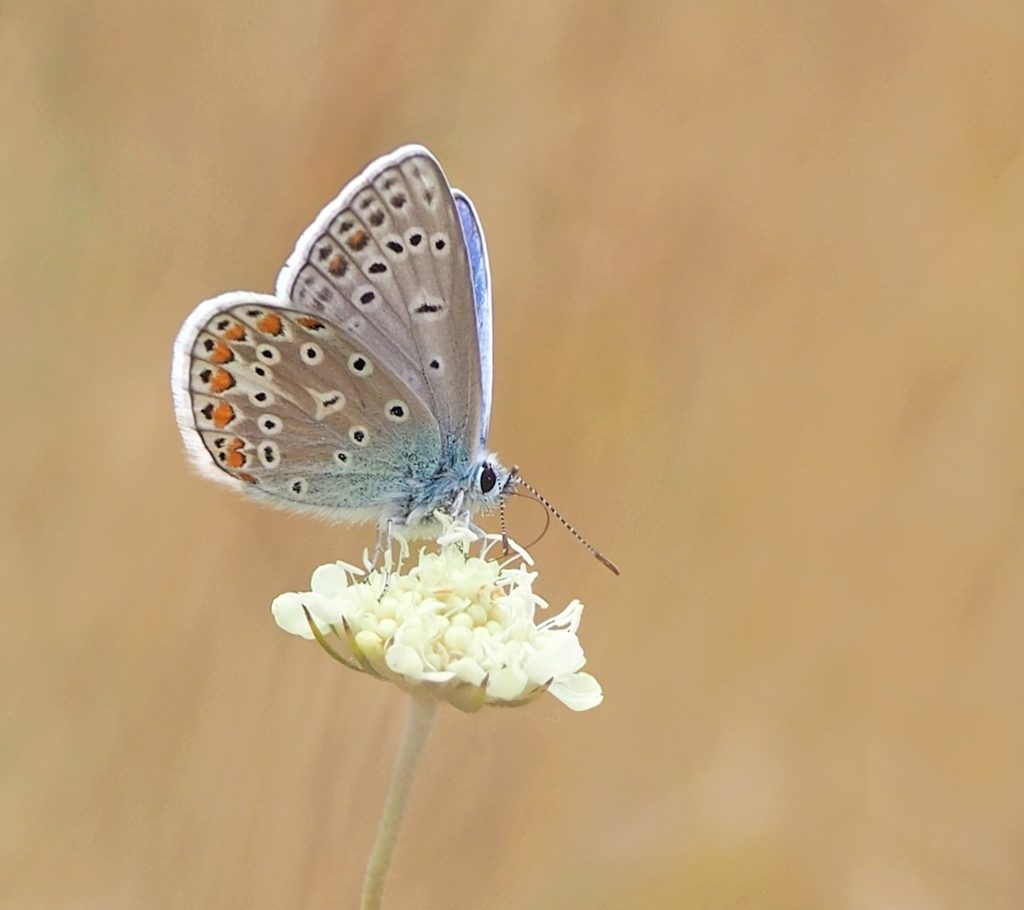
x=758, y=279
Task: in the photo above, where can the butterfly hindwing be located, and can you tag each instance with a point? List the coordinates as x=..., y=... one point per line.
x=387, y=263
x=287, y=406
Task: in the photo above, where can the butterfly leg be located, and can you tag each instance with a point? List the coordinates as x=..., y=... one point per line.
x=385, y=537
x=456, y=509
x=383, y=544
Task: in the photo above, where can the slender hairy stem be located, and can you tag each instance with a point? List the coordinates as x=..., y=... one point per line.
x=417, y=727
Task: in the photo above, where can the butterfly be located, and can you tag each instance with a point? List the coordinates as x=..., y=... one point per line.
x=361, y=389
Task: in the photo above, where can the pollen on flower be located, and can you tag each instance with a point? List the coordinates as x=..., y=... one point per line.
x=457, y=625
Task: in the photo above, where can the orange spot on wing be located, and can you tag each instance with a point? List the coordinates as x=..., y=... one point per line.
x=270, y=324
x=310, y=322
x=221, y=381
x=248, y=478
x=337, y=265
x=223, y=414
x=221, y=353
x=235, y=457
x=358, y=240
x=235, y=332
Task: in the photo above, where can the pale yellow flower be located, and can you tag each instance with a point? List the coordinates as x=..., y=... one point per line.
x=455, y=626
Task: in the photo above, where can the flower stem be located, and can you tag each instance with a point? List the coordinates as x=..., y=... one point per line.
x=417, y=727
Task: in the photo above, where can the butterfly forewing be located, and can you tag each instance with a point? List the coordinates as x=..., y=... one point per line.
x=387, y=263
x=290, y=407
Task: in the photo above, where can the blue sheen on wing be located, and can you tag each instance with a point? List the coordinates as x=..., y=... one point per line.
x=481, y=274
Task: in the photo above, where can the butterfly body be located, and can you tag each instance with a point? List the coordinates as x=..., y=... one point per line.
x=361, y=389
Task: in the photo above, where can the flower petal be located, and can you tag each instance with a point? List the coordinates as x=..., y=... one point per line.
x=289, y=615
x=331, y=579
x=468, y=670
x=579, y=692
x=404, y=660
x=560, y=654
x=326, y=611
x=507, y=683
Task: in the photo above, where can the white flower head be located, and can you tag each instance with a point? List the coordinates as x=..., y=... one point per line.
x=454, y=626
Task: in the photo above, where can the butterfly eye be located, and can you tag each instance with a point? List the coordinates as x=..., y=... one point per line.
x=487, y=479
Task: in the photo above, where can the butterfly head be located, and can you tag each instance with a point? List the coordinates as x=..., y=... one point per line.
x=491, y=482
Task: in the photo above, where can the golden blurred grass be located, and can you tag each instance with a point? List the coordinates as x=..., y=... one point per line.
x=758, y=295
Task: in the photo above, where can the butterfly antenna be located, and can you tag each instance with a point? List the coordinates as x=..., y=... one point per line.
x=553, y=511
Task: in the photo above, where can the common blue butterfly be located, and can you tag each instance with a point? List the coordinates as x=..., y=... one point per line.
x=361, y=390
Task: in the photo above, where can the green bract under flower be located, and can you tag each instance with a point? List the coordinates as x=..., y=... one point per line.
x=455, y=626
